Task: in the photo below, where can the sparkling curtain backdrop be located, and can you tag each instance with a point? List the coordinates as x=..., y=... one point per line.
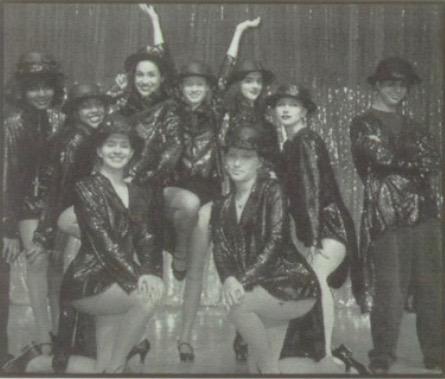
x=331, y=48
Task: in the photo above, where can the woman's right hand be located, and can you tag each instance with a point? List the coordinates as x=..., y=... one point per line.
x=233, y=291
x=121, y=81
x=11, y=249
x=151, y=286
x=249, y=24
x=149, y=10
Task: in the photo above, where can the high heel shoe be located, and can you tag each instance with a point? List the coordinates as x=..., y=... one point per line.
x=178, y=274
x=187, y=356
x=19, y=364
x=345, y=355
x=240, y=348
x=141, y=349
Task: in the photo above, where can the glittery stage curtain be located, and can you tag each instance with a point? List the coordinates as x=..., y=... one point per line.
x=331, y=48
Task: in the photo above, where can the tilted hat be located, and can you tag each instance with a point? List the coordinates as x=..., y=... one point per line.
x=293, y=91
x=37, y=63
x=197, y=68
x=116, y=123
x=147, y=53
x=394, y=68
x=246, y=136
x=80, y=92
x=248, y=66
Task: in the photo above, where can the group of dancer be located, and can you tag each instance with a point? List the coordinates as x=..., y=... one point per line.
x=162, y=161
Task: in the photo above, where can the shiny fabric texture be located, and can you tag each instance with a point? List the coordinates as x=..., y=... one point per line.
x=26, y=133
x=257, y=250
x=396, y=167
x=72, y=156
x=315, y=202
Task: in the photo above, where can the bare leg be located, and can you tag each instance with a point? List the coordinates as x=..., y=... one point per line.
x=135, y=312
x=106, y=329
x=55, y=276
x=37, y=282
x=199, y=247
x=333, y=253
x=182, y=209
x=258, y=312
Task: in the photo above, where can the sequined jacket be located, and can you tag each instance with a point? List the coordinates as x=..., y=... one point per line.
x=257, y=250
x=26, y=134
x=71, y=158
x=111, y=237
x=315, y=202
x=396, y=172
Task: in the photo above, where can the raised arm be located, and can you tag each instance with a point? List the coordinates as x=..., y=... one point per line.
x=232, y=52
x=158, y=37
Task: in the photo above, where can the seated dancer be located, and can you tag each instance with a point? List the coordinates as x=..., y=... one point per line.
x=116, y=276
x=32, y=124
x=266, y=282
x=321, y=221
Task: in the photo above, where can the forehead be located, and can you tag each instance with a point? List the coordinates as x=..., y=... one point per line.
x=393, y=83
x=254, y=75
x=288, y=101
x=239, y=151
x=147, y=66
x=90, y=101
x=37, y=84
x=194, y=80
x=117, y=138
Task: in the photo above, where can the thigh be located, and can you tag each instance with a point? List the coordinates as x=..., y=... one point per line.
x=113, y=301
x=332, y=254
x=271, y=309
x=177, y=198
x=26, y=230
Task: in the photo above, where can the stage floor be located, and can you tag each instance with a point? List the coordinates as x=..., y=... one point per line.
x=213, y=337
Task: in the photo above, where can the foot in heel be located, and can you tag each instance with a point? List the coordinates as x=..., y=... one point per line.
x=186, y=353
x=240, y=348
x=141, y=349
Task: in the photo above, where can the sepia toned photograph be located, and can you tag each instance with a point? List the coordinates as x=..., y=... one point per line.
x=222, y=189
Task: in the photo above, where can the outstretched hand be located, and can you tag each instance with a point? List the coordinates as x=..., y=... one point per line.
x=149, y=10
x=11, y=249
x=249, y=23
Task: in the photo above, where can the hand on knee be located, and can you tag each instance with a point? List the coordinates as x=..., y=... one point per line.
x=150, y=291
x=37, y=262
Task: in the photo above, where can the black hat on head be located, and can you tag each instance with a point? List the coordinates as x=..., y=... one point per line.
x=296, y=92
x=146, y=53
x=35, y=63
x=119, y=124
x=197, y=68
x=81, y=92
x=248, y=66
x=394, y=68
x=246, y=136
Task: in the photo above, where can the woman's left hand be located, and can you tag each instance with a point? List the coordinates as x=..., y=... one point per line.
x=33, y=252
x=151, y=286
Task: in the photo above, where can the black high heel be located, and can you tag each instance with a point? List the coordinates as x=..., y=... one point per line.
x=188, y=356
x=141, y=349
x=345, y=355
x=240, y=348
x=19, y=364
x=178, y=274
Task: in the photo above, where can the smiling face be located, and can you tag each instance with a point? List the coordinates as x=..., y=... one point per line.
x=147, y=78
x=241, y=164
x=252, y=85
x=391, y=92
x=194, y=89
x=91, y=112
x=115, y=152
x=290, y=111
x=39, y=95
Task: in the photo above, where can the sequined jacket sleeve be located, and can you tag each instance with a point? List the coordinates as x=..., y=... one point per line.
x=10, y=187
x=160, y=130
x=274, y=220
x=225, y=72
x=373, y=150
x=91, y=212
x=147, y=235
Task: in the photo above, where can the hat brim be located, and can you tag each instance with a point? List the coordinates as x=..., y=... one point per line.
x=310, y=106
x=133, y=59
x=210, y=78
x=410, y=79
x=72, y=105
x=268, y=76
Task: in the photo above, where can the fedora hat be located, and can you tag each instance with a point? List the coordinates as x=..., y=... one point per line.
x=293, y=91
x=394, y=68
x=248, y=66
x=197, y=68
x=81, y=92
x=36, y=63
